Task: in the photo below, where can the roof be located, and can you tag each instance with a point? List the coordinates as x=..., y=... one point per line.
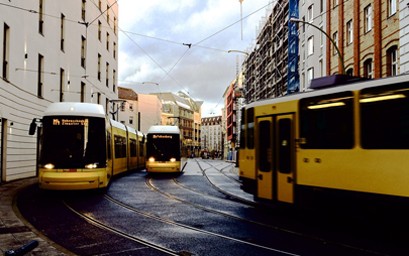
x=75, y=109
x=163, y=129
x=127, y=94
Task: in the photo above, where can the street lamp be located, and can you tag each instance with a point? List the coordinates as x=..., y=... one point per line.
x=341, y=59
x=238, y=51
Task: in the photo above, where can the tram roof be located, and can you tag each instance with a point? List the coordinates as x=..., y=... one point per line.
x=329, y=90
x=163, y=129
x=75, y=109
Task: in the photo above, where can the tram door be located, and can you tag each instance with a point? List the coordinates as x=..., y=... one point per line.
x=275, y=154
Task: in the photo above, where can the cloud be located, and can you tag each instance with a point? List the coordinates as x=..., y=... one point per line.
x=153, y=45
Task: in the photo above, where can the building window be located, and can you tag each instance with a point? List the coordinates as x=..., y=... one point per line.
x=62, y=32
x=310, y=45
x=107, y=74
x=83, y=51
x=114, y=51
x=368, y=18
x=310, y=75
x=107, y=41
x=350, y=72
x=99, y=67
x=335, y=39
x=100, y=5
x=392, y=61
x=40, y=76
x=84, y=2
x=113, y=80
x=99, y=30
x=108, y=14
x=6, y=45
x=350, y=32
x=310, y=13
x=392, y=7
x=40, y=16
x=82, y=92
x=115, y=25
x=322, y=41
x=62, y=82
x=368, y=69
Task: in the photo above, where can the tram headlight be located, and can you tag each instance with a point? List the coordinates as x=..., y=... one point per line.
x=91, y=166
x=151, y=159
x=49, y=166
x=173, y=159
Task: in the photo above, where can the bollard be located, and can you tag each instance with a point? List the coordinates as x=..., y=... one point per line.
x=23, y=249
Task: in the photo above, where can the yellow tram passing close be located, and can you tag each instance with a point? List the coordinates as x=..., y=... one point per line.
x=80, y=148
x=349, y=141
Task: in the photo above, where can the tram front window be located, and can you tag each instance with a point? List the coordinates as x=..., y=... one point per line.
x=163, y=147
x=73, y=142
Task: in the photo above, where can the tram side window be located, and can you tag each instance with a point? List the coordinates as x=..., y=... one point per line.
x=384, y=113
x=326, y=122
x=133, y=147
x=243, y=129
x=109, y=145
x=250, y=128
x=120, y=146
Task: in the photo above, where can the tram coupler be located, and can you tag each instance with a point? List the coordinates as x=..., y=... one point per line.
x=23, y=249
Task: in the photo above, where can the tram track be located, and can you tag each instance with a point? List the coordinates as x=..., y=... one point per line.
x=106, y=227
x=234, y=198
x=99, y=224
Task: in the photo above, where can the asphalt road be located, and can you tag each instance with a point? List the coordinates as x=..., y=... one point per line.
x=200, y=212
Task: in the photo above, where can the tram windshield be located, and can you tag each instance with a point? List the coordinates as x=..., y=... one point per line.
x=163, y=146
x=73, y=142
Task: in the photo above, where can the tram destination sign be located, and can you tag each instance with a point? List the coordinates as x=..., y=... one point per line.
x=70, y=122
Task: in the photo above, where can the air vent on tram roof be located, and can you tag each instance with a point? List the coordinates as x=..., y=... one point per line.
x=334, y=80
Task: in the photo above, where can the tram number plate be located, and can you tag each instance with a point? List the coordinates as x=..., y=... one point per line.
x=70, y=170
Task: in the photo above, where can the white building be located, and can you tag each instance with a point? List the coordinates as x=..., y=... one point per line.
x=404, y=36
x=127, y=112
x=312, y=42
x=51, y=51
x=211, y=134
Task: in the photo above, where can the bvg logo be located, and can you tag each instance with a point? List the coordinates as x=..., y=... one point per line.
x=56, y=122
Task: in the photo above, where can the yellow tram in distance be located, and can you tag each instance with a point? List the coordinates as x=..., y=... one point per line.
x=163, y=150
x=337, y=143
x=80, y=148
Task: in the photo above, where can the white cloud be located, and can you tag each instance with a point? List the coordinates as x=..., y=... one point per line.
x=159, y=30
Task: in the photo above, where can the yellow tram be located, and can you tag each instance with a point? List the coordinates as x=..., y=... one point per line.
x=349, y=141
x=80, y=148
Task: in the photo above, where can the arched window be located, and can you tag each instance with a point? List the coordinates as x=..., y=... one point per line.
x=392, y=61
x=368, y=68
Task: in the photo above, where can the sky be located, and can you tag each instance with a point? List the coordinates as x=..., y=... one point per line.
x=182, y=45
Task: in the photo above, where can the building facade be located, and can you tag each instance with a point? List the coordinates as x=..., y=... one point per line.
x=51, y=51
x=367, y=34
x=128, y=108
x=211, y=136
x=404, y=37
x=266, y=66
x=181, y=110
x=312, y=45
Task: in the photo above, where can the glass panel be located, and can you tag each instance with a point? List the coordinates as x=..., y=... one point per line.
x=264, y=151
x=326, y=122
x=385, y=117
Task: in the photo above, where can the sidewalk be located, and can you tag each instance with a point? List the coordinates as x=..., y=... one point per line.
x=15, y=232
